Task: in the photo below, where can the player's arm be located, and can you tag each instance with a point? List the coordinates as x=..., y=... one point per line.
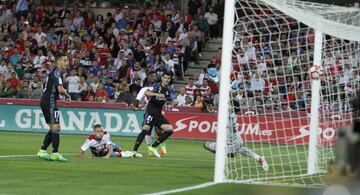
x=63, y=91
x=59, y=85
x=110, y=150
x=150, y=93
x=84, y=147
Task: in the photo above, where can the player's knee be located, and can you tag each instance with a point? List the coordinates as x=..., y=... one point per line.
x=170, y=131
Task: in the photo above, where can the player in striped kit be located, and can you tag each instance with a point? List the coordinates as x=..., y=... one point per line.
x=101, y=145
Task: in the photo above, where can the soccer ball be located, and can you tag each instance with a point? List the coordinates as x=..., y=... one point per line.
x=316, y=72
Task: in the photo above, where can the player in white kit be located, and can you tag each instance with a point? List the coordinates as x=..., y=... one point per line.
x=101, y=145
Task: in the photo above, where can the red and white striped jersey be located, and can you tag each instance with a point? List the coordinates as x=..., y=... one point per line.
x=190, y=90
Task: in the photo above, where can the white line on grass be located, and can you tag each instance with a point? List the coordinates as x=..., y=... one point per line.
x=199, y=186
x=73, y=154
x=26, y=155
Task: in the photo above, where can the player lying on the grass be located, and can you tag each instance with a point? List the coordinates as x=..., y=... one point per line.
x=235, y=145
x=101, y=146
x=160, y=94
x=141, y=97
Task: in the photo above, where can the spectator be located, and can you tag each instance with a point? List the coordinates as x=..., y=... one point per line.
x=136, y=86
x=22, y=8
x=35, y=83
x=15, y=82
x=193, y=6
x=94, y=85
x=125, y=96
x=15, y=58
x=7, y=91
x=101, y=94
x=19, y=71
x=82, y=87
x=212, y=19
x=257, y=83
x=188, y=101
x=119, y=88
x=23, y=91
x=198, y=103
x=190, y=87
x=181, y=97
x=73, y=85
x=89, y=94
x=37, y=92
x=169, y=64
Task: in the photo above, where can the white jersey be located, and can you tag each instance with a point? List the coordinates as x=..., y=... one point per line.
x=97, y=147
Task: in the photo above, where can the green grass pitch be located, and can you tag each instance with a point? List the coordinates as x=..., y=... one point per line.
x=186, y=164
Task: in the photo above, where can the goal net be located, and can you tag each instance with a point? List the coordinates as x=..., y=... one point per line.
x=295, y=67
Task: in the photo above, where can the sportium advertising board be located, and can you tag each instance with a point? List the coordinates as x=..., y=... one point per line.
x=79, y=120
x=253, y=129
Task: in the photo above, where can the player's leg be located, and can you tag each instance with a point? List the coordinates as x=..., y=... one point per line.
x=148, y=136
x=48, y=137
x=147, y=124
x=239, y=144
x=209, y=145
x=118, y=152
x=55, y=135
x=167, y=130
x=162, y=146
x=148, y=139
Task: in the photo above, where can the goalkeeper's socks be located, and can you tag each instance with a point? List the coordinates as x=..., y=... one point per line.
x=47, y=141
x=140, y=139
x=162, y=138
x=55, y=137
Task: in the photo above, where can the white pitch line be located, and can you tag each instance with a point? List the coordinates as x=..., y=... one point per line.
x=199, y=186
x=26, y=155
x=72, y=154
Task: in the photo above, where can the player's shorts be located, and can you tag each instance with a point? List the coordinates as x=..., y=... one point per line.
x=116, y=149
x=51, y=114
x=155, y=120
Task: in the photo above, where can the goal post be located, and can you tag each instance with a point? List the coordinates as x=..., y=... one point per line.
x=287, y=113
x=315, y=103
x=224, y=99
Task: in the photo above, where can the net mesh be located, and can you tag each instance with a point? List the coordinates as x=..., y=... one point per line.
x=271, y=91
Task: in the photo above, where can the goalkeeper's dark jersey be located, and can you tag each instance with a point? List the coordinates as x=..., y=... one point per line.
x=155, y=104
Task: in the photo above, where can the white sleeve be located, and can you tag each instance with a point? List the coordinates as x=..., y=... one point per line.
x=141, y=94
x=86, y=145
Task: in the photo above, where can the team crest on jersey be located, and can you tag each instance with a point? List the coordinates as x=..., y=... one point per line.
x=57, y=73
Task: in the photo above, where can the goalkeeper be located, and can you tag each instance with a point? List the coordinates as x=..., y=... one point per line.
x=235, y=145
x=101, y=146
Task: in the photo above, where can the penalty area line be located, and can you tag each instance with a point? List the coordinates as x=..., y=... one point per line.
x=195, y=187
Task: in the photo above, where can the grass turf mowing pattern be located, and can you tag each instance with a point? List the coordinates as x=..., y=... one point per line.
x=186, y=164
